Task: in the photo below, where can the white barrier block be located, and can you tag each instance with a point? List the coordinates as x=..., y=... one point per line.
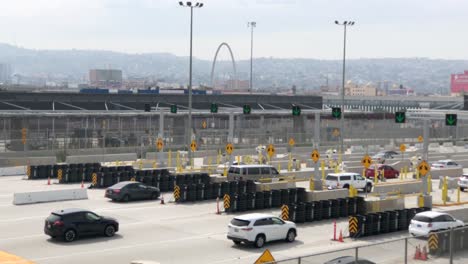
x=12, y=171
x=49, y=196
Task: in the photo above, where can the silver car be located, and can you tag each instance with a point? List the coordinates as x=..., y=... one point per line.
x=463, y=182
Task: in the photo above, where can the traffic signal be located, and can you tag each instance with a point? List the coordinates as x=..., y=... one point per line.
x=336, y=112
x=296, y=110
x=451, y=119
x=400, y=117
x=24, y=135
x=214, y=108
x=147, y=108
x=174, y=109
x=247, y=109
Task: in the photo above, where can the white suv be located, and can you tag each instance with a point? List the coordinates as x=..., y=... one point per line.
x=347, y=179
x=260, y=228
x=426, y=222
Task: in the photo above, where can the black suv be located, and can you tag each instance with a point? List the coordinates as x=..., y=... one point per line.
x=130, y=190
x=68, y=224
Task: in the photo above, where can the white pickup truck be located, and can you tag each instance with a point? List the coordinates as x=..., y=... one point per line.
x=347, y=179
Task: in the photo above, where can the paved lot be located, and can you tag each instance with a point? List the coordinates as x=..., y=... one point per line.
x=171, y=233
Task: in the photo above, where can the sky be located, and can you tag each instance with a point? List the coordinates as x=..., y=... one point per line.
x=285, y=28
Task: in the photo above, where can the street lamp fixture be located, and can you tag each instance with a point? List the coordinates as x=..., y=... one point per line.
x=189, y=137
x=345, y=24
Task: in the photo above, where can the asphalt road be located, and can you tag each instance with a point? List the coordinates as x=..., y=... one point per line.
x=170, y=233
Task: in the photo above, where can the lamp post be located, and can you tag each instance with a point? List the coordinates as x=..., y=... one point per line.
x=189, y=138
x=345, y=24
x=251, y=24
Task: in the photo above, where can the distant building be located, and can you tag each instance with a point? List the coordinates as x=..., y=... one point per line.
x=105, y=78
x=400, y=90
x=5, y=73
x=459, y=83
x=353, y=89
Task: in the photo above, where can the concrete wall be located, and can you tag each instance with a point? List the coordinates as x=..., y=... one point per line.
x=101, y=158
x=404, y=187
x=326, y=194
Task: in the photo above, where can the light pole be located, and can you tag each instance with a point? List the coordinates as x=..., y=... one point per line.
x=251, y=24
x=345, y=24
x=189, y=138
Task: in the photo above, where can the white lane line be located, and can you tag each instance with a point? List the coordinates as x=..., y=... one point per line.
x=21, y=237
x=95, y=252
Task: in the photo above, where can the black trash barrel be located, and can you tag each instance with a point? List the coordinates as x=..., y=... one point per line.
x=384, y=222
x=293, y=195
x=301, y=195
x=352, y=206
x=392, y=221
x=292, y=212
x=309, y=212
x=267, y=199
x=326, y=209
x=200, y=192
x=233, y=187
x=275, y=198
x=402, y=220
x=300, y=213
x=361, y=205
x=196, y=178
x=259, y=203
x=317, y=209
x=369, y=224
x=216, y=191
x=284, y=196
x=225, y=188
x=241, y=186
x=242, y=202
x=343, y=207
x=192, y=193
x=205, y=178
x=250, y=201
x=250, y=186
x=73, y=175
x=208, y=191
x=334, y=209
x=107, y=179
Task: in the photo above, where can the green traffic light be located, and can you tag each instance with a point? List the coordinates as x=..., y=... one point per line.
x=400, y=117
x=296, y=111
x=214, y=108
x=336, y=112
x=174, y=109
x=247, y=109
x=451, y=119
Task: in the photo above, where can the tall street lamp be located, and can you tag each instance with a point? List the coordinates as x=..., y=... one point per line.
x=345, y=24
x=251, y=24
x=191, y=6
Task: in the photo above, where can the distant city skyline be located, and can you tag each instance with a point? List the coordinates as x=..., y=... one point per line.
x=285, y=28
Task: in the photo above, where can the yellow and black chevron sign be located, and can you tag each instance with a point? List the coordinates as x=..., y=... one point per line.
x=59, y=174
x=94, y=179
x=176, y=192
x=28, y=171
x=433, y=242
x=227, y=201
x=285, y=212
x=353, y=227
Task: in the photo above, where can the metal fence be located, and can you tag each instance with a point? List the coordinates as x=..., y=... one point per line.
x=448, y=246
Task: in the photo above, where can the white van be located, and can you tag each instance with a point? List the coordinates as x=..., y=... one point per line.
x=347, y=179
x=251, y=172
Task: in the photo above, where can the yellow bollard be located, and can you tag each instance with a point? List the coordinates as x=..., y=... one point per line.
x=290, y=162
x=260, y=158
x=169, y=158
x=383, y=175
x=140, y=165
x=417, y=174
x=376, y=180
x=420, y=200
x=269, y=160
x=458, y=194
x=429, y=184
x=444, y=190
x=178, y=165
x=322, y=167
x=225, y=172
x=279, y=167
x=351, y=191
x=218, y=158
x=154, y=165
x=191, y=163
x=311, y=183
x=405, y=169
x=210, y=169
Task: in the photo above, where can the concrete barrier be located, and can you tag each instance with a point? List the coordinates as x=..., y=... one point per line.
x=452, y=183
x=451, y=173
x=13, y=171
x=388, y=204
x=407, y=187
x=326, y=194
x=274, y=186
x=23, y=161
x=100, y=158
x=49, y=196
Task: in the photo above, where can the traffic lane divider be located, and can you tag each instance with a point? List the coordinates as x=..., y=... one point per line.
x=7, y=258
x=49, y=196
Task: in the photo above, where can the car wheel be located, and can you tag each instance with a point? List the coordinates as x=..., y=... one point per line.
x=291, y=236
x=236, y=242
x=259, y=241
x=154, y=196
x=369, y=188
x=109, y=231
x=69, y=235
x=126, y=198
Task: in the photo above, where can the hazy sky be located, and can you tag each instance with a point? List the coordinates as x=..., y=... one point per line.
x=285, y=28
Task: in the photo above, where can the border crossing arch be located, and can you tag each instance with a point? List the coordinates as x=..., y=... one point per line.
x=233, y=64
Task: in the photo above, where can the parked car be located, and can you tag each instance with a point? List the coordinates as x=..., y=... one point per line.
x=347, y=179
x=382, y=156
x=130, y=190
x=463, y=182
x=257, y=229
x=445, y=164
x=349, y=260
x=430, y=221
x=69, y=224
x=389, y=172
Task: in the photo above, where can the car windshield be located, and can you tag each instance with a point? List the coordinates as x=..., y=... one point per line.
x=332, y=178
x=119, y=185
x=53, y=217
x=239, y=222
x=422, y=218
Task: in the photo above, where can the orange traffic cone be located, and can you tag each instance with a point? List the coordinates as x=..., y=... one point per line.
x=340, y=238
x=48, y=180
x=417, y=254
x=424, y=254
x=162, y=199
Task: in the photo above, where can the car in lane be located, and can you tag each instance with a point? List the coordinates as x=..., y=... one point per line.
x=222, y=167
x=349, y=260
x=463, y=182
x=430, y=221
x=445, y=164
x=346, y=180
x=382, y=156
x=389, y=172
x=257, y=229
x=69, y=224
x=129, y=190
